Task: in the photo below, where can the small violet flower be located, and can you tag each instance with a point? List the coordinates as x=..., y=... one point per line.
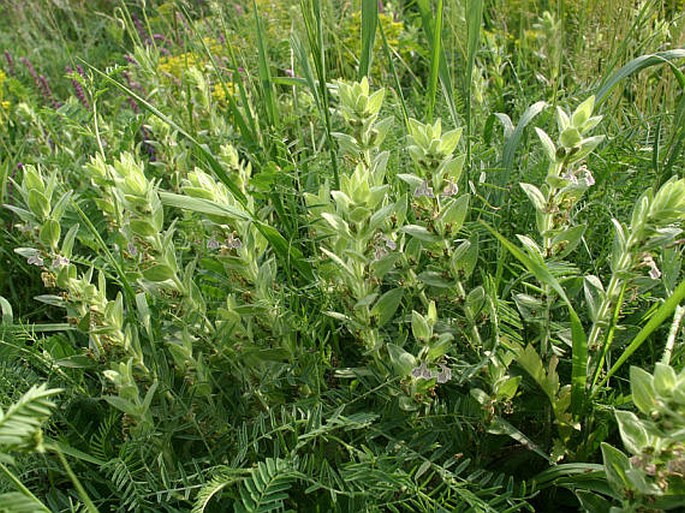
x=451, y=189
x=60, y=261
x=233, y=242
x=35, y=259
x=424, y=190
x=389, y=243
x=445, y=374
x=213, y=244
x=422, y=371
x=132, y=249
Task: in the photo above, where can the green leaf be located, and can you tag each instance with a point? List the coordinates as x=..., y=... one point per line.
x=420, y=233
x=15, y=502
x=402, y=361
x=512, y=143
x=265, y=489
x=158, y=273
x=535, y=196
x=39, y=204
x=420, y=327
x=202, y=206
x=7, y=314
x=570, y=137
x=616, y=464
x=286, y=252
x=665, y=379
x=50, y=233
x=547, y=144
x=583, y=112
x=642, y=388
x=143, y=228
x=569, y=238
x=507, y=390
x=637, y=65
x=21, y=421
x=387, y=305
x=449, y=141
x=454, y=214
x=633, y=432
x=592, y=502
x=531, y=362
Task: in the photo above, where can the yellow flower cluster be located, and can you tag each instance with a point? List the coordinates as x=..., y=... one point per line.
x=4, y=104
x=176, y=66
x=219, y=92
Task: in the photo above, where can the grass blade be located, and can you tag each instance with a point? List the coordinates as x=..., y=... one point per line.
x=369, y=24
x=512, y=143
x=268, y=92
x=579, y=340
x=474, y=21
x=436, y=52
x=445, y=80
x=662, y=313
x=311, y=12
x=395, y=76
x=637, y=65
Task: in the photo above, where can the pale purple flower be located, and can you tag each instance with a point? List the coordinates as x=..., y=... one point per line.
x=379, y=253
x=78, y=89
x=132, y=249
x=290, y=73
x=35, y=259
x=212, y=243
x=450, y=189
x=424, y=190
x=60, y=261
x=445, y=374
x=422, y=371
x=389, y=243
x=233, y=242
x=570, y=177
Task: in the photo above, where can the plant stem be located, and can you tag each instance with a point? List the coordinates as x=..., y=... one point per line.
x=21, y=486
x=672, y=334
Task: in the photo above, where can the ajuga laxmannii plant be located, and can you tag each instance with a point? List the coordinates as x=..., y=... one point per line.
x=261, y=286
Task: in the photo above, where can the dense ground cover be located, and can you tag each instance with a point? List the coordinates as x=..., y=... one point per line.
x=342, y=256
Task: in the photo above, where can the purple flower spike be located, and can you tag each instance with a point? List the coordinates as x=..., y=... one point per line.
x=78, y=89
x=10, y=62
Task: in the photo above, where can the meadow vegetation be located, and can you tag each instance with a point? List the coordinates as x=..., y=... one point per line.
x=342, y=256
